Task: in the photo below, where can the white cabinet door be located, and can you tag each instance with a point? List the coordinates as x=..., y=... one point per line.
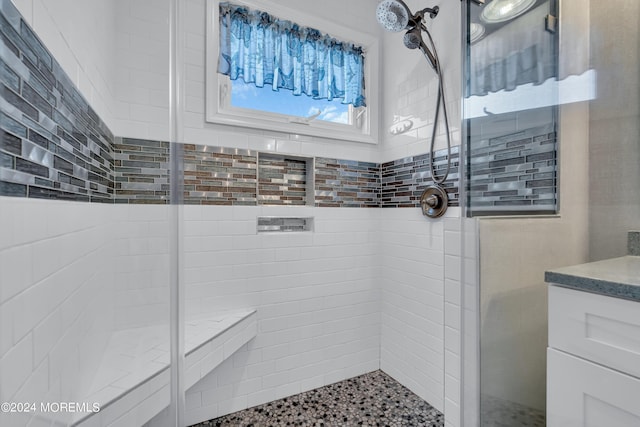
x=602, y=329
x=585, y=394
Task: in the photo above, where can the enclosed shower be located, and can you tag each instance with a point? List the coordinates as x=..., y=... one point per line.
x=177, y=246
x=161, y=267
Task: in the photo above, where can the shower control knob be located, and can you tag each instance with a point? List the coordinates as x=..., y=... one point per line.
x=431, y=200
x=434, y=201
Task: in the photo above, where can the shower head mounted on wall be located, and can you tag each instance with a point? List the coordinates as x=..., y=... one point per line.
x=395, y=15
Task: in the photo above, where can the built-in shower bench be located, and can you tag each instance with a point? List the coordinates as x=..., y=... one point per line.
x=132, y=384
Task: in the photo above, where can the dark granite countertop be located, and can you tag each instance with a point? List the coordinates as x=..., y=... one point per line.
x=616, y=277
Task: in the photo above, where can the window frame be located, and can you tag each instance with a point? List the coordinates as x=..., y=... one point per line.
x=218, y=87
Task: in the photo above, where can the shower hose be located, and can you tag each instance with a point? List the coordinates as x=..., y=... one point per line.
x=440, y=101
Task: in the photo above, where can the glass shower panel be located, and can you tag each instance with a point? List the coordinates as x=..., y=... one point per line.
x=592, y=112
x=510, y=108
x=85, y=220
x=512, y=152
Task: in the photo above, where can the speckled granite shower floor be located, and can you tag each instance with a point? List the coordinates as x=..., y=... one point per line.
x=373, y=399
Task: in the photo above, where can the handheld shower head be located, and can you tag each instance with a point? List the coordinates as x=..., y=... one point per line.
x=413, y=40
x=393, y=15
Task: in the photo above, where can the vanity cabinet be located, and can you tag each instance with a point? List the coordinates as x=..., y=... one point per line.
x=593, y=359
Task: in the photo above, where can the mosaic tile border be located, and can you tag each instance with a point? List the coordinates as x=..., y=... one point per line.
x=141, y=171
x=52, y=144
x=347, y=183
x=231, y=176
x=219, y=176
x=514, y=173
x=404, y=180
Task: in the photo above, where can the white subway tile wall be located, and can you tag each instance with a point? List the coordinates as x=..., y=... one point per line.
x=141, y=61
x=57, y=298
x=142, y=265
x=453, y=262
x=72, y=274
x=316, y=295
x=409, y=90
x=413, y=300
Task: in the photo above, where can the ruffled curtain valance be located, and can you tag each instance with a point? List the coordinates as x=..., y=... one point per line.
x=265, y=50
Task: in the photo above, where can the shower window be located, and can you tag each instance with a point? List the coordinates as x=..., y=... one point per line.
x=233, y=101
